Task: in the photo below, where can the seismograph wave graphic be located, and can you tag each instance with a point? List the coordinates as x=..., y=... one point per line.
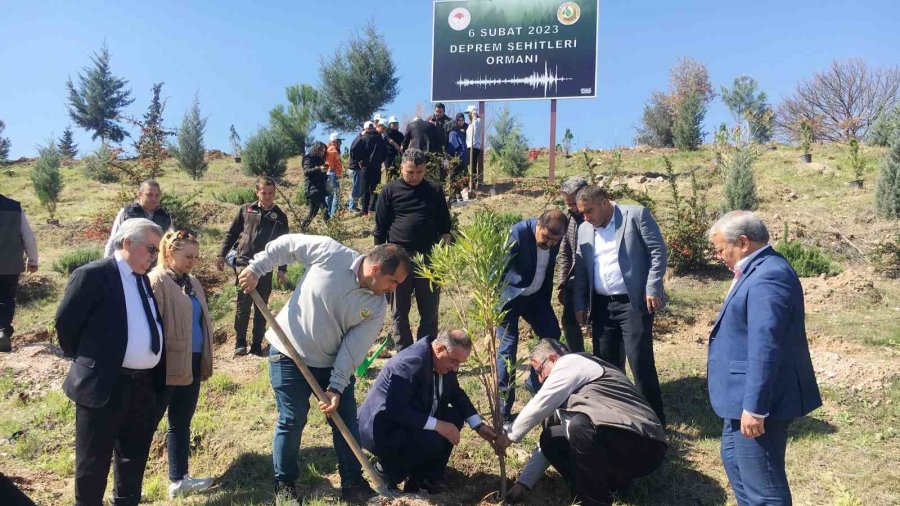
x=548, y=80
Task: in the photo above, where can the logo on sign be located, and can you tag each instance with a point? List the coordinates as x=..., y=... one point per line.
x=459, y=18
x=568, y=13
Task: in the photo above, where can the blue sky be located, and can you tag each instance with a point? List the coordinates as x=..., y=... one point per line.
x=239, y=56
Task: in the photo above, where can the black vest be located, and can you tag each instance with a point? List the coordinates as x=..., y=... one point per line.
x=160, y=216
x=12, y=248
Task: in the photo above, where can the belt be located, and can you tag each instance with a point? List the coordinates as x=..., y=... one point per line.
x=134, y=373
x=620, y=298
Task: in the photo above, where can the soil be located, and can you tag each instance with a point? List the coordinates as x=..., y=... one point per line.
x=822, y=293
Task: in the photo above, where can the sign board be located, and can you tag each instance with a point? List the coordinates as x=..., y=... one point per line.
x=514, y=50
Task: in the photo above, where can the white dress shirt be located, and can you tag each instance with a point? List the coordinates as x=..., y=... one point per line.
x=437, y=390
x=540, y=271
x=608, y=279
x=137, y=350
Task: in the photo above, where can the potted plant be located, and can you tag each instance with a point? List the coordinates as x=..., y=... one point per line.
x=235, y=145
x=806, y=140
x=857, y=163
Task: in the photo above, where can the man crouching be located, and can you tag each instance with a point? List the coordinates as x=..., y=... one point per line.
x=599, y=432
x=413, y=414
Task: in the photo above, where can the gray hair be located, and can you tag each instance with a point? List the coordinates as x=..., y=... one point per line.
x=148, y=183
x=571, y=185
x=135, y=230
x=547, y=346
x=453, y=339
x=738, y=223
x=415, y=156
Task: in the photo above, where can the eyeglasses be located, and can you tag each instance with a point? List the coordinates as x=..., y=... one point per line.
x=153, y=250
x=540, y=369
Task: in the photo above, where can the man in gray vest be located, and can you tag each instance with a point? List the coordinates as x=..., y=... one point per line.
x=16, y=241
x=147, y=206
x=598, y=431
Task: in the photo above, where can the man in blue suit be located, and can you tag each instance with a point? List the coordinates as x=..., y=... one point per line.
x=529, y=277
x=760, y=374
x=412, y=416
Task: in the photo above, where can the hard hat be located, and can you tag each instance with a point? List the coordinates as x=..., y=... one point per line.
x=368, y=124
x=393, y=119
x=334, y=137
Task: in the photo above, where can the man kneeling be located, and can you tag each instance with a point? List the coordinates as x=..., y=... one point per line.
x=599, y=432
x=413, y=414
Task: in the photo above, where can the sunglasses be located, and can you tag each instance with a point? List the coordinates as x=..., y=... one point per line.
x=185, y=235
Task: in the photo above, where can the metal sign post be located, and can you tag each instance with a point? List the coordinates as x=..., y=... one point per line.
x=552, y=139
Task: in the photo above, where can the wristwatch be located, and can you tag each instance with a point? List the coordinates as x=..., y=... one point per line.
x=333, y=390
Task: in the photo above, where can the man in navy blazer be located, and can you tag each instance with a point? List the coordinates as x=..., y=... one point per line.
x=529, y=277
x=412, y=416
x=760, y=374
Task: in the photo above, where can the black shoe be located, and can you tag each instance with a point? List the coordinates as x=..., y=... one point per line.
x=434, y=486
x=240, y=351
x=286, y=491
x=257, y=350
x=390, y=484
x=358, y=494
x=5, y=341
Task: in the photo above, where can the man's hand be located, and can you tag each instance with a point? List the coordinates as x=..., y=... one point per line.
x=247, y=280
x=653, y=303
x=581, y=317
x=502, y=442
x=31, y=267
x=282, y=278
x=486, y=432
x=446, y=239
x=220, y=263
x=751, y=426
x=516, y=493
x=334, y=400
x=448, y=431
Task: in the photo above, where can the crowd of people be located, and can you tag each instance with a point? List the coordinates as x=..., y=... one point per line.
x=136, y=326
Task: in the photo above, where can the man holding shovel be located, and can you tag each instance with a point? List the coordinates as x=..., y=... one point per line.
x=331, y=320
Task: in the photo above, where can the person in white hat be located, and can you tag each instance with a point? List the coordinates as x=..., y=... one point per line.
x=335, y=170
x=473, y=139
x=367, y=154
x=394, y=139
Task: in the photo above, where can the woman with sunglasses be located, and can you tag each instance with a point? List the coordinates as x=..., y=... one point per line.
x=186, y=323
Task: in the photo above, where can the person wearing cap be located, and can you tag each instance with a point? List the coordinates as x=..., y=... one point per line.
x=457, y=147
x=474, y=134
x=394, y=139
x=369, y=152
x=335, y=170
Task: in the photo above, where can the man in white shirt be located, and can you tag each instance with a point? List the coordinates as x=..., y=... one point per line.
x=619, y=269
x=474, y=137
x=598, y=431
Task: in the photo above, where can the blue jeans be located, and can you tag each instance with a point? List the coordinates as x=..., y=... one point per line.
x=292, y=394
x=755, y=467
x=537, y=311
x=332, y=200
x=355, y=188
x=181, y=402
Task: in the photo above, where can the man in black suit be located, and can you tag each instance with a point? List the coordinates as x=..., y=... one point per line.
x=421, y=134
x=412, y=416
x=108, y=323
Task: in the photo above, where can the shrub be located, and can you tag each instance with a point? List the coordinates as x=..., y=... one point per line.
x=74, y=259
x=97, y=165
x=185, y=210
x=808, y=261
x=740, y=188
x=656, y=123
x=265, y=155
x=857, y=161
x=886, y=257
x=46, y=178
x=687, y=223
x=887, y=193
x=886, y=126
x=238, y=195
x=509, y=147
x=686, y=131
x=190, y=150
x=506, y=220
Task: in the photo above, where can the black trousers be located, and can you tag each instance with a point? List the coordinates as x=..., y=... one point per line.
x=242, y=313
x=620, y=331
x=123, y=430
x=181, y=402
x=10, y=495
x=368, y=196
x=414, y=454
x=595, y=461
x=8, y=285
x=570, y=327
x=315, y=203
x=427, y=300
x=477, y=166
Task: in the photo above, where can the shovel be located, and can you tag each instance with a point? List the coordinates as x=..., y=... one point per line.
x=380, y=487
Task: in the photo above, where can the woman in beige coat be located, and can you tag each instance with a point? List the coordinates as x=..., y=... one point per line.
x=186, y=327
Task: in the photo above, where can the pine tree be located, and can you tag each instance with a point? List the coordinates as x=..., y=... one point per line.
x=67, y=146
x=357, y=81
x=740, y=187
x=97, y=103
x=150, y=145
x=509, y=148
x=298, y=120
x=887, y=193
x=688, y=117
x=45, y=177
x=4, y=143
x=748, y=105
x=265, y=155
x=235, y=142
x=190, y=150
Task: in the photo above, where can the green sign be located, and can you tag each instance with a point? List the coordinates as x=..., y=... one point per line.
x=514, y=49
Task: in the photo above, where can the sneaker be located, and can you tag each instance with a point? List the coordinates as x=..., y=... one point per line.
x=358, y=494
x=5, y=341
x=188, y=485
x=240, y=351
x=508, y=423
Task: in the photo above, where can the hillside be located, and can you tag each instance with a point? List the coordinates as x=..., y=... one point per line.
x=844, y=454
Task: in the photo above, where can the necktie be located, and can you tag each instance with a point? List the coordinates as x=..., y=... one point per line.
x=151, y=321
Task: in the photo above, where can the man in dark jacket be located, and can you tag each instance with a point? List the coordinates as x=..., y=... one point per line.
x=393, y=138
x=255, y=225
x=421, y=135
x=147, y=206
x=369, y=152
x=16, y=242
x=412, y=213
x=108, y=324
x=565, y=264
x=314, y=172
x=413, y=414
x=443, y=123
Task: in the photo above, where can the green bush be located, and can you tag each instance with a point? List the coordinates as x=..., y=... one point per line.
x=886, y=126
x=265, y=155
x=509, y=148
x=506, y=220
x=689, y=116
x=887, y=192
x=238, y=196
x=74, y=259
x=686, y=224
x=185, y=210
x=808, y=261
x=740, y=188
x=97, y=167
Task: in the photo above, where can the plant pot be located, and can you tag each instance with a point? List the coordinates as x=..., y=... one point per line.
x=237, y=159
x=806, y=158
x=856, y=183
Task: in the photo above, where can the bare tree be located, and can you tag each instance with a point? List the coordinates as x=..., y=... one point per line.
x=842, y=102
